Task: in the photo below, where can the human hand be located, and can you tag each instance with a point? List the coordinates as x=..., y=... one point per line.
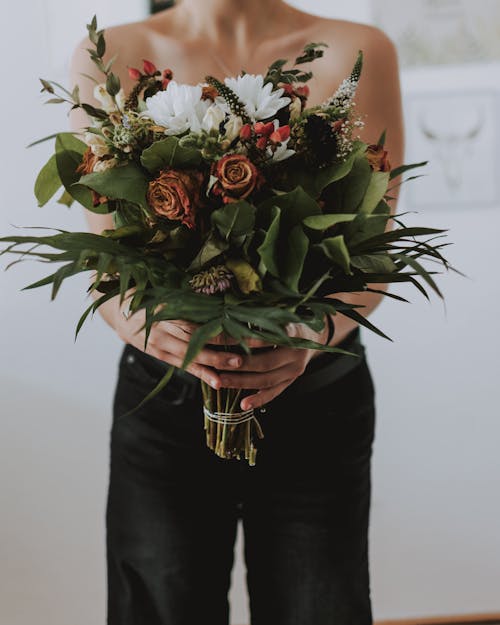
x=272, y=371
x=169, y=340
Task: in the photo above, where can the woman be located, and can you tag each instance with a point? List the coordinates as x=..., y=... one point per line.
x=173, y=505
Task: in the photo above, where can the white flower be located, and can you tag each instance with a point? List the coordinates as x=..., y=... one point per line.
x=280, y=152
x=106, y=101
x=105, y=164
x=96, y=143
x=260, y=100
x=233, y=127
x=213, y=118
x=179, y=108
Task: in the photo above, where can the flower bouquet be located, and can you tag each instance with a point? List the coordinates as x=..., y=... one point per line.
x=236, y=207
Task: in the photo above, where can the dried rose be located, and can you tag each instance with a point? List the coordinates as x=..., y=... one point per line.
x=177, y=195
x=236, y=177
x=89, y=161
x=378, y=158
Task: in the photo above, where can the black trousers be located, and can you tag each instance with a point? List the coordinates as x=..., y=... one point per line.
x=173, y=506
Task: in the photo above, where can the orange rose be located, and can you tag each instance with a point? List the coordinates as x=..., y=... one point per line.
x=176, y=194
x=236, y=177
x=377, y=157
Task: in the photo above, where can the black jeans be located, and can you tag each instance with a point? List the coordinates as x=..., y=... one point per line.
x=173, y=506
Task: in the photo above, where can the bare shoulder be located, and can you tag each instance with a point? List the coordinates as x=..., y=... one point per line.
x=346, y=38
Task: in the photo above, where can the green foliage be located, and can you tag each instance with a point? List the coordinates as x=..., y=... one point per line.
x=169, y=153
x=125, y=182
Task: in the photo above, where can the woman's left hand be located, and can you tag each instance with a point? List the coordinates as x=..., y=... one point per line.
x=272, y=371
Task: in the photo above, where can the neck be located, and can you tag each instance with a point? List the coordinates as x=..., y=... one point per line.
x=239, y=22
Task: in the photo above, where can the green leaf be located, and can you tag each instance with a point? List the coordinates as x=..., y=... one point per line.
x=199, y=338
x=397, y=171
x=248, y=279
x=295, y=207
x=126, y=182
x=323, y=222
x=69, y=153
x=112, y=84
x=298, y=246
x=168, y=153
x=374, y=263
x=157, y=389
x=268, y=250
x=336, y=250
x=234, y=220
x=48, y=182
x=65, y=199
x=375, y=192
x=212, y=248
x=416, y=266
x=315, y=182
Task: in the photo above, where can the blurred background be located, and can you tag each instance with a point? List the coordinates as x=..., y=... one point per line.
x=434, y=540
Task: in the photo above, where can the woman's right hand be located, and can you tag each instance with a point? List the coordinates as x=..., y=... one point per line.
x=168, y=341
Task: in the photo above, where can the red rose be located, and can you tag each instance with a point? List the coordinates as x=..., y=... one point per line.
x=176, y=195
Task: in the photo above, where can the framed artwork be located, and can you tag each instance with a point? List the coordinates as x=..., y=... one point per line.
x=434, y=32
x=159, y=5
x=458, y=133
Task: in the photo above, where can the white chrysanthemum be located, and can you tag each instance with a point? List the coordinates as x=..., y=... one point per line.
x=281, y=152
x=179, y=108
x=260, y=101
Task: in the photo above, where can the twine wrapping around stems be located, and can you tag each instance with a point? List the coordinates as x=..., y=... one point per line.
x=231, y=418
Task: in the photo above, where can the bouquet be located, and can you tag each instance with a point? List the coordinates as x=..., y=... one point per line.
x=236, y=207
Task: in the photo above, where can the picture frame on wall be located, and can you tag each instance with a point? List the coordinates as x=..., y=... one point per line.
x=160, y=5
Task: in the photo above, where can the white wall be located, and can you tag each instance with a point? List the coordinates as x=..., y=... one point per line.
x=434, y=548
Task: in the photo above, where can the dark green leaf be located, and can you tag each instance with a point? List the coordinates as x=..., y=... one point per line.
x=336, y=250
x=168, y=153
x=397, y=171
x=126, y=182
x=234, y=219
x=298, y=245
x=268, y=250
x=199, y=338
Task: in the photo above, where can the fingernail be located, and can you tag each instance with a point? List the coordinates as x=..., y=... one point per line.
x=234, y=362
x=214, y=383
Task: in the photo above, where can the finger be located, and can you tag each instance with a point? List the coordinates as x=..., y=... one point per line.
x=259, y=380
x=181, y=329
x=268, y=360
x=203, y=373
x=207, y=357
x=264, y=396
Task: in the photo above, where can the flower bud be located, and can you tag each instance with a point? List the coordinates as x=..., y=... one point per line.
x=264, y=129
x=168, y=74
x=149, y=68
x=134, y=73
x=280, y=134
x=303, y=91
x=246, y=132
x=261, y=143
